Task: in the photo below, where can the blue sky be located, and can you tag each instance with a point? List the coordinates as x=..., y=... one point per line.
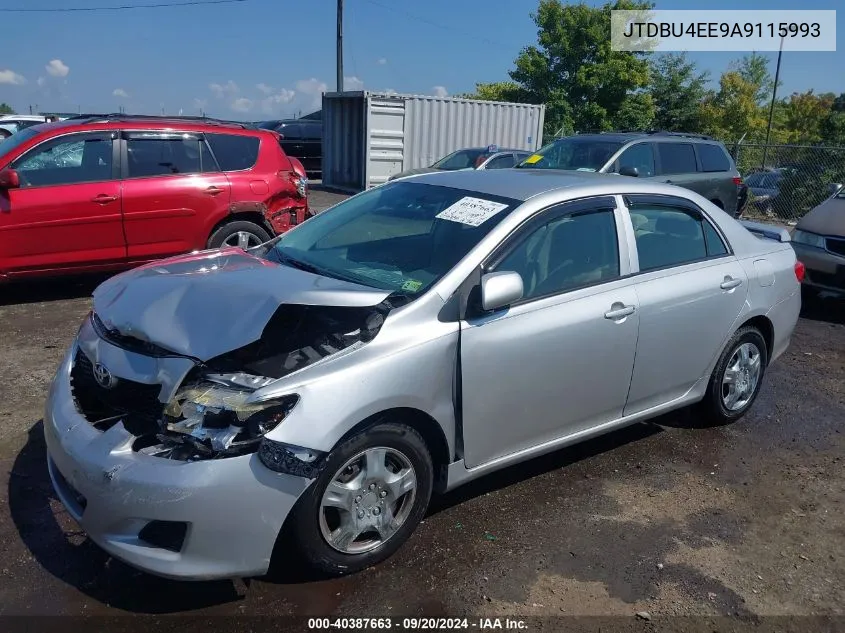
x=271, y=58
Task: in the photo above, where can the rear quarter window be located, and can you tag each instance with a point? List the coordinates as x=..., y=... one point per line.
x=234, y=152
x=713, y=158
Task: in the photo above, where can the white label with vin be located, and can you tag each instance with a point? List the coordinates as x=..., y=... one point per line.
x=471, y=211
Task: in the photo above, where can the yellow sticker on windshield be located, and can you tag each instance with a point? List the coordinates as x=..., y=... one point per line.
x=412, y=285
x=536, y=158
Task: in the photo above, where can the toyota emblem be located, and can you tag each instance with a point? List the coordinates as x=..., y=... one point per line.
x=104, y=377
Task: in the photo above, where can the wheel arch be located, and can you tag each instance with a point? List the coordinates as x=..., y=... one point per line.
x=429, y=429
x=241, y=216
x=762, y=323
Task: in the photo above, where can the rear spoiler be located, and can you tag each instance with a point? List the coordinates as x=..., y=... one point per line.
x=767, y=231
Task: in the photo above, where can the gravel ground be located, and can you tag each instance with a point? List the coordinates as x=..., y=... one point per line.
x=667, y=517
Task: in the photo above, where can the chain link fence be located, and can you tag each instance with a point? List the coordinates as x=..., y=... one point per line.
x=787, y=181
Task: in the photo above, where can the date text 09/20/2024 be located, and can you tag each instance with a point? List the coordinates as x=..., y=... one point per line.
x=410, y=624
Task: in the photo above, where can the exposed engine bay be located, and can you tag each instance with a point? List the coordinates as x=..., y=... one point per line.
x=210, y=415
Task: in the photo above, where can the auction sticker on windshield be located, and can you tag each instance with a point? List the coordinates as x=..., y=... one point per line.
x=471, y=211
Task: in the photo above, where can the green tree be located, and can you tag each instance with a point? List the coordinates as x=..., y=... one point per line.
x=803, y=115
x=734, y=110
x=5, y=108
x=754, y=69
x=677, y=89
x=498, y=91
x=572, y=70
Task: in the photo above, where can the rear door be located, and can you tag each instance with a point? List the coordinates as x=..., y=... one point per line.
x=690, y=289
x=677, y=165
x=66, y=213
x=717, y=176
x=173, y=193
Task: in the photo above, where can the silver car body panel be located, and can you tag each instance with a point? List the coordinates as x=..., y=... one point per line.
x=208, y=303
x=427, y=359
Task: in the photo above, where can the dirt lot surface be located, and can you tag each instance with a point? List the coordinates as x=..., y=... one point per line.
x=666, y=517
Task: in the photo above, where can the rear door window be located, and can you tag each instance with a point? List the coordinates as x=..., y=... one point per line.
x=713, y=158
x=504, y=161
x=234, y=152
x=677, y=158
x=155, y=154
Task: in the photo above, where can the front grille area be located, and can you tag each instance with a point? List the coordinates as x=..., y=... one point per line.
x=135, y=402
x=835, y=245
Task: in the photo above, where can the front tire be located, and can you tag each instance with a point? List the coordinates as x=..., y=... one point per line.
x=737, y=378
x=239, y=233
x=372, y=493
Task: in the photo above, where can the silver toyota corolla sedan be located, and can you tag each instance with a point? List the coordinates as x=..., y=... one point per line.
x=410, y=339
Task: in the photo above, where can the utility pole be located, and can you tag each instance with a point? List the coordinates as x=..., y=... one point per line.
x=30, y=109
x=772, y=106
x=340, y=45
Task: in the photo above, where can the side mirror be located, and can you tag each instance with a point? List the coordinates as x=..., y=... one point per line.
x=627, y=170
x=9, y=179
x=501, y=289
x=834, y=188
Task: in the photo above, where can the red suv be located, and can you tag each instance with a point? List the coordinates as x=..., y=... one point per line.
x=108, y=192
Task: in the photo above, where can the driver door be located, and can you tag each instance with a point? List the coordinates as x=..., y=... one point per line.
x=67, y=211
x=559, y=361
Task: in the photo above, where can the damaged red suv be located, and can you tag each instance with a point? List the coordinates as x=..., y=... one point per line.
x=105, y=192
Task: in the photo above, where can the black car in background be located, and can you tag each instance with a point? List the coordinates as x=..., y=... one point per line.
x=302, y=139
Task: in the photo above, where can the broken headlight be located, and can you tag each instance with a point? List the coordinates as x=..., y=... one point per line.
x=214, y=418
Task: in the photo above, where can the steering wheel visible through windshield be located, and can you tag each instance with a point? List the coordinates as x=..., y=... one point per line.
x=576, y=154
x=462, y=159
x=401, y=237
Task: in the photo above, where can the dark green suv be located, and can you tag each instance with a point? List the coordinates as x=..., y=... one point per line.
x=692, y=161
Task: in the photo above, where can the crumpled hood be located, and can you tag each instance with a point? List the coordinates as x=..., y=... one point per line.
x=826, y=219
x=208, y=303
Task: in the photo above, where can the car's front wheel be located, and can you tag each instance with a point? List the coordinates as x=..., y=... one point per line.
x=371, y=495
x=737, y=378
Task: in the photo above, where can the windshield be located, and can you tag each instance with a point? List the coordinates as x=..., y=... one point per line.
x=577, y=154
x=268, y=125
x=764, y=180
x=14, y=141
x=401, y=237
x=462, y=159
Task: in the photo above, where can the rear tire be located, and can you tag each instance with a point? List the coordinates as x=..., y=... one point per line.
x=317, y=523
x=737, y=378
x=240, y=233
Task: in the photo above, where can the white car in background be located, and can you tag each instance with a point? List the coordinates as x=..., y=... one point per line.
x=11, y=123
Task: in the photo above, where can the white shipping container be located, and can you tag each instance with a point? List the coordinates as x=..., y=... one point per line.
x=369, y=136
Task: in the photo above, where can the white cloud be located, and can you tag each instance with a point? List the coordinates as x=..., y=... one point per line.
x=353, y=83
x=264, y=88
x=314, y=89
x=439, y=91
x=382, y=61
x=57, y=68
x=269, y=104
x=41, y=81
x=120, y=92
x=242, y=105
x=230, y=88
x=11, y=77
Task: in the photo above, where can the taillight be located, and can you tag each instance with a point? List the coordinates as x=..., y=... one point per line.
x=800, y=269
x=737, y=181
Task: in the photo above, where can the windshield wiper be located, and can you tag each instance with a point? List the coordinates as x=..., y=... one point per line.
x=287, y=260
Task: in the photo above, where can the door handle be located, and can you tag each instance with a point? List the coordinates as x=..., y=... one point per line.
x=103, y=199
x=213, y=191
x=730, y=283
x=618, y=313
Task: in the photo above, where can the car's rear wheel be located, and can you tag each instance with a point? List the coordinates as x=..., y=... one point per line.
x=737, y=378
x=241, y=233
x=371, y=495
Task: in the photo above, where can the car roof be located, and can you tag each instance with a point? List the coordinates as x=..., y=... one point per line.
x=627, y=137
x=518, y=184
x=95, y=123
